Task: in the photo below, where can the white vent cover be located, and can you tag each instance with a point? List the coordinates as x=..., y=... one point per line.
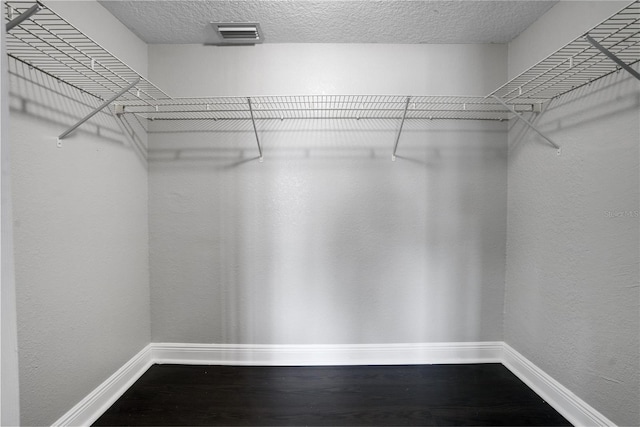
x=237, y=32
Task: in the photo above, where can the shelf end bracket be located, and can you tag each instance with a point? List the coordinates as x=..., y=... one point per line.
x=255, y=130
x=527, y=122
x=97, y=110
x=23, y=17
x=612, y=57
x=404, y=116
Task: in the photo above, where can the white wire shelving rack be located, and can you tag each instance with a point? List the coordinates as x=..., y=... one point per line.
x=40, y=38
x=47, y=42
x=321, y=107
x=579, y=62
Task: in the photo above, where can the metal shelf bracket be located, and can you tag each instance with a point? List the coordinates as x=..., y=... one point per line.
x=118, y=117
x=612, y=56
x=23, y=16
x=527, y=122
x=97, y=110
x=255, y=130
x=404, y=116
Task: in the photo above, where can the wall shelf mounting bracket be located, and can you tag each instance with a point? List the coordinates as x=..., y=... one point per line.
x=612, y=57
x=118, y=117
x=527, y=122
x=22, y=17
x=97, y=110
x=404, y=116
x=255, y=130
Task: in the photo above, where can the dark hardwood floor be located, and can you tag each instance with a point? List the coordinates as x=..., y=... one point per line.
x=409, y=395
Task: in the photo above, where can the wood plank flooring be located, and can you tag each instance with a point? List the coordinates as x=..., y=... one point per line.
x=408, y=395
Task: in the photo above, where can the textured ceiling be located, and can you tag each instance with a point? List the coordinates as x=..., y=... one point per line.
x=332, y=21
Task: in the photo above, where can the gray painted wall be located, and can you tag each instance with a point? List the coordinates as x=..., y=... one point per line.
x=81, y=237
x=10, y=393
x=572, y=284
x=327, y=241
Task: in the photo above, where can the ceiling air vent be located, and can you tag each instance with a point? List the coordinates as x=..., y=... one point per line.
x=237, y=33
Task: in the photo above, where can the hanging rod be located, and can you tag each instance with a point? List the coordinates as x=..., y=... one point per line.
x=377, y=107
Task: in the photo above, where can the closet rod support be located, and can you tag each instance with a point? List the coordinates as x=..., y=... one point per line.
x=118, y=118
x=97, y=110
x=23, y=16
x=612, y=57
x=527, y=122
x=404, y=116
x=255, y=130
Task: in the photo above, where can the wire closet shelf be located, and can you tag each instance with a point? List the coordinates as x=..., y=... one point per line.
x=322, y=107
x=47, y=42
x=579, y=62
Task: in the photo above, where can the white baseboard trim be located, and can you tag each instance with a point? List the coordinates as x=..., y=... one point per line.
x=563, y=400
x=559, y=397
x=314, y=355
x=89, y=409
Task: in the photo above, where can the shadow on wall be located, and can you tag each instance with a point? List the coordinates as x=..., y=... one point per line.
x=327, y=240
x=218, y=140
x=597, y=101
x=572, y=278
x=46, y=98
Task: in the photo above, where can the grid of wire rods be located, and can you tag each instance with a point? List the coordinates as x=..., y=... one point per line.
x=579, y=63
x=323, y=107
x=50, y=44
